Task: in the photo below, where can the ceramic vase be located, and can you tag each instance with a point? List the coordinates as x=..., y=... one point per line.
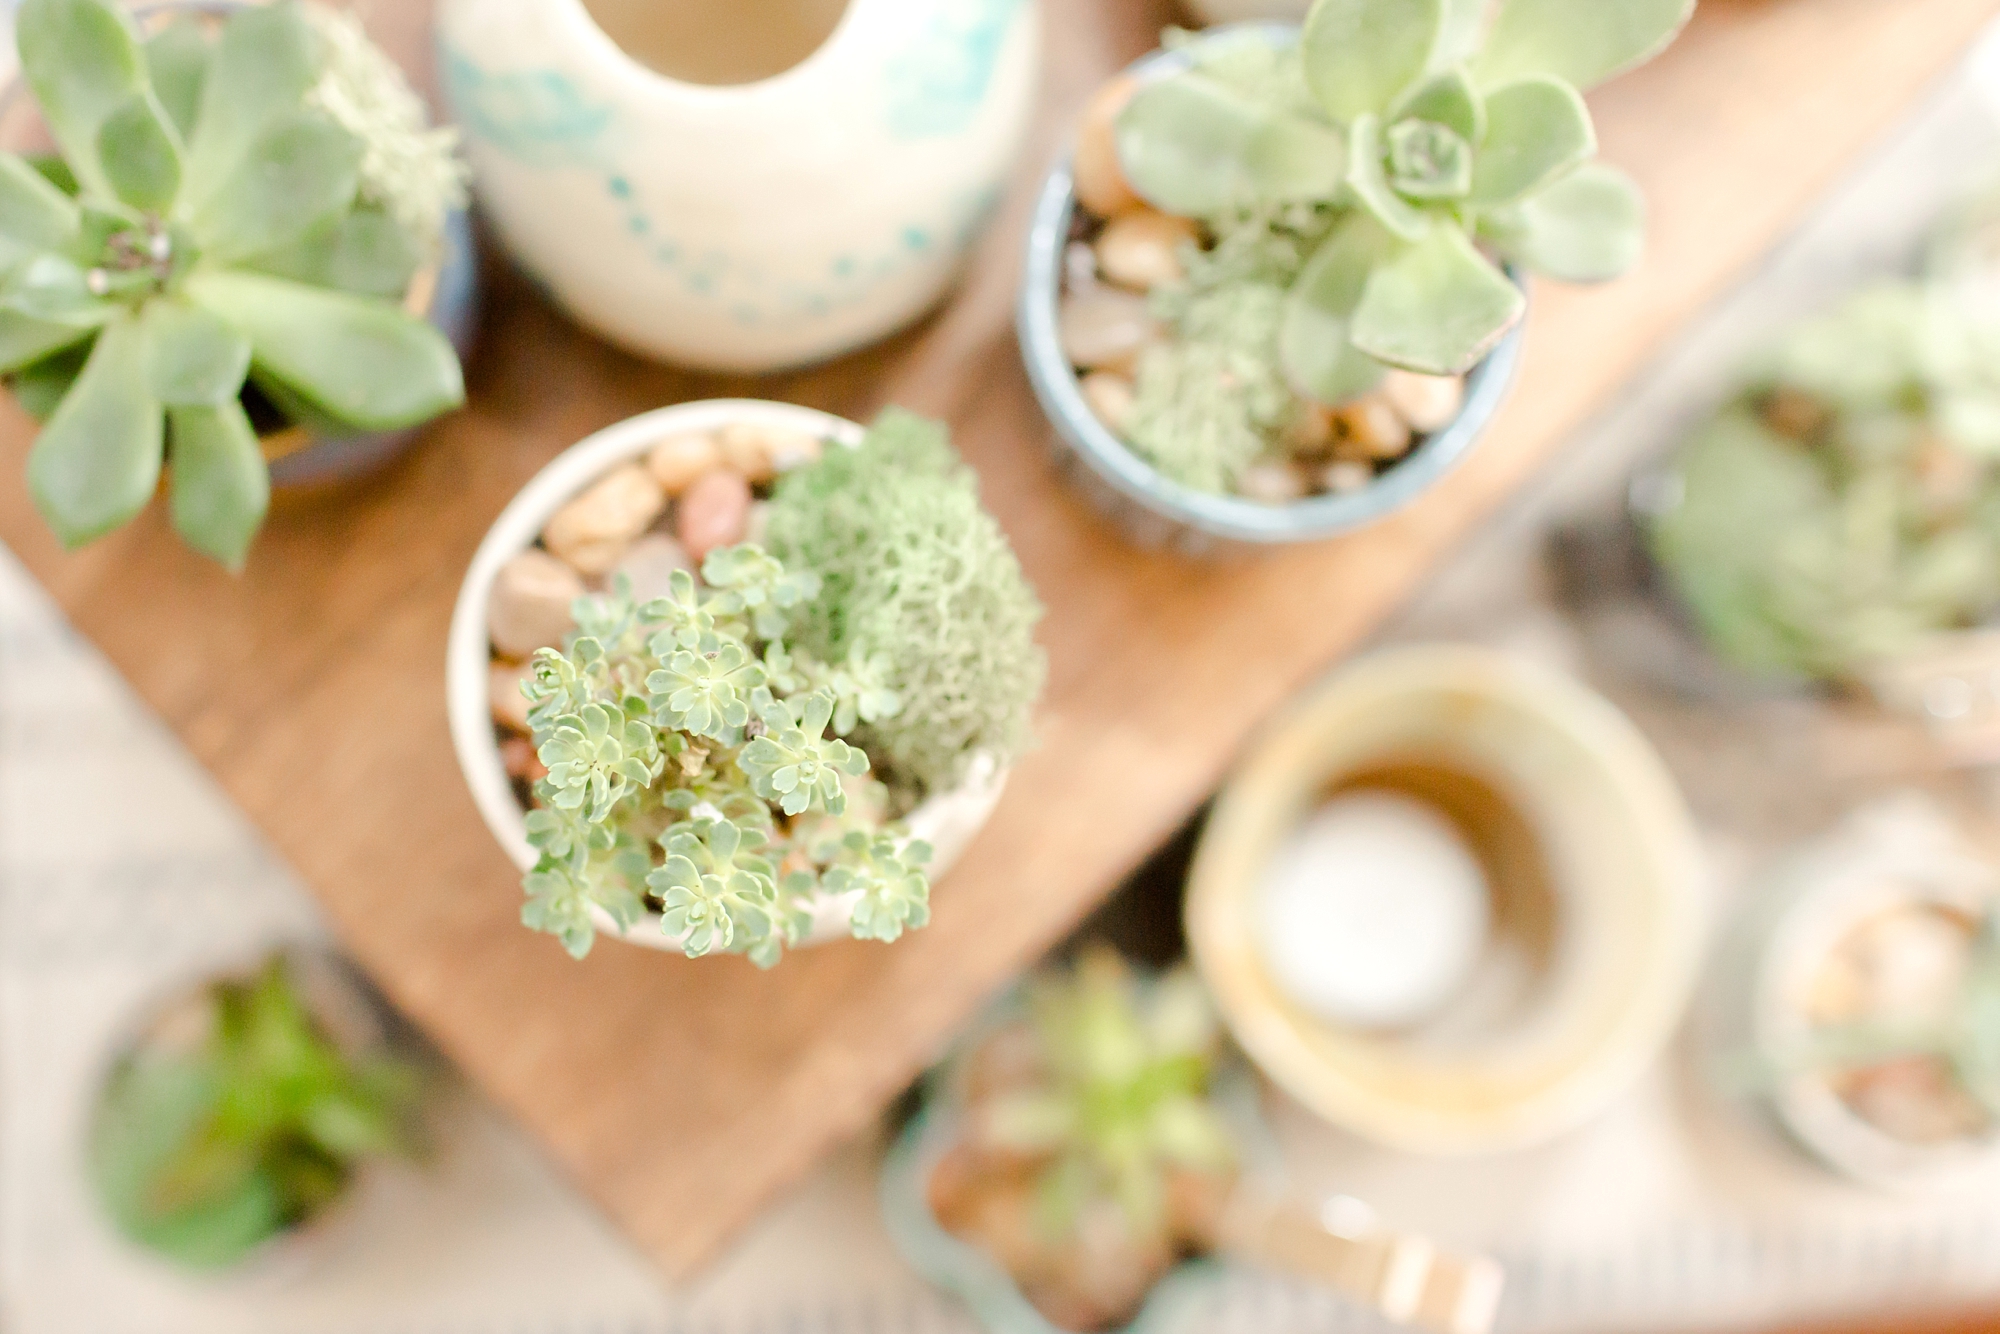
x=748, y=226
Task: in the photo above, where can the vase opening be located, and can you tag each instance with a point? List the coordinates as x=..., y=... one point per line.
x=700, y=41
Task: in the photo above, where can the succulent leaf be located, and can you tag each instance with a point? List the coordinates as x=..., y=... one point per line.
x=364, y=251
x=1449, y=99
x=361, y=361
x=97, y=462
x=1367, y=177
x=300, y=173
x=1536, y=130
x=1191, y=145
x=83, y=62
x=39, y=388
x=1427, y=161
x=1360, y=55
x=265, y=60
x=221, y=486
x=1581, y=42
x=34, y=214
x=1460, y=33
x=25, y=340
x=139, y=154
x=177, y=63
x=1588, y=227
x=1436, y=306
x=1314, y=342
x=198, y=359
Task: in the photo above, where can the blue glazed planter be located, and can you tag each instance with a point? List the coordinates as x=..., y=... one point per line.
x=1157, y=511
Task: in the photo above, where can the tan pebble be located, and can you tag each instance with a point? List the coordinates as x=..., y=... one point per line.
x=1142, y=249
x=746, y=449
x=592, y=531
x=1346, y=477
x=713, y=513
x=1104, y=328
x=1368, y=429
x=649, y=564
x=1271, y=483
x=1309, y=434
x=1427, y=402
x=676, y=461
x=517, y=753
x=1110, y=397
x=1101, y=186
x=757, y=526
x=529, y=607
x=503, y=689
x=1079, y=266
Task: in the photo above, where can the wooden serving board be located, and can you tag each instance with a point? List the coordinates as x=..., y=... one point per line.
x=682, y=1095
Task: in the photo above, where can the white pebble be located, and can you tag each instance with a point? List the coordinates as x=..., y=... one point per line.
x=649, y=564
x=1106, y=329
x=529, y=607
x=1427, y=402
x=1142, y=249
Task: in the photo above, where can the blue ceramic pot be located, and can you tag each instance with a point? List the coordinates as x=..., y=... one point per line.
x=1157, y=511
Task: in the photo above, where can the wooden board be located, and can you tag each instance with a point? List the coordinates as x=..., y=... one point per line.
x=682, y=1095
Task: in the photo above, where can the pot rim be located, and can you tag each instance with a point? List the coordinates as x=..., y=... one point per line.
x=948, y=820
x=1236, y=518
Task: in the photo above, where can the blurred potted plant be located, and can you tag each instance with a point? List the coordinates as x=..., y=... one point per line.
x=245, y=1111
x=1266, y=302
x=228, y=244
x=778, y=711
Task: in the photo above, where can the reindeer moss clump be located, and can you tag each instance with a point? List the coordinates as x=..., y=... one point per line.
x=916, y=577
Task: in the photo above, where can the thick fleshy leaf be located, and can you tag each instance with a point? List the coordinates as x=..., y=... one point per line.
x=25, y=340
x=1449, y=99
x=1365, y=176
x=1536, y=130
x=1314, y=344
x=198, y=359
x=51, y=168
x=364, y=250
x=1360, y=55
x=300, y=174
x=1437, y=306
x=177, y=61
x=97, y=462
x=40, y=388
x=1192, y=146
x=220, y=484
x=1581, y=42
x=265, y=59
x=34, y=214
x=139, y=156
x=1460, y=32
x=54, y=287
x=83, y=61
x=1427, y=161
x=360, y=360
x=1588, y=227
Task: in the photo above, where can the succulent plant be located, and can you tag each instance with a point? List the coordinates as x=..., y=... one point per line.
x=247, y=207
x=706, y=762
x=1432, y=135
x=203, y=1150
x=1845, y=507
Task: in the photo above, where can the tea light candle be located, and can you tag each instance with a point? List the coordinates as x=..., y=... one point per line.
x=1373, y=913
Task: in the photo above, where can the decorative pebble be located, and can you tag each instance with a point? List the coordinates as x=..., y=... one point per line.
x=1079, y=266
x=1374, y=912
x=1106, y=329
x=757, y=526
x=1309, y=434
x=1345, y=477
x=503, y=689
x=592, y=531
x=713, y=513
x=1141, y=249
x=676, y=461
x=529, y=606
x=1272, y=483
x=517, y=753
x=1367, y=428
x=1109, y=395
x=1427, y=402
x=1100, y=181
x=650, y=563
x=760, y=452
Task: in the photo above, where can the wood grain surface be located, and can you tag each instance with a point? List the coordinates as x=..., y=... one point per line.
x=681, y=1095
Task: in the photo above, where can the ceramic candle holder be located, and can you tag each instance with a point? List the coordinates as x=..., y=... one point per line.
x=745, y=226
x=1597, y=916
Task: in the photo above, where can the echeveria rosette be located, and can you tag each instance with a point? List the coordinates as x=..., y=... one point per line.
x=1445, y=141
x=206, y=225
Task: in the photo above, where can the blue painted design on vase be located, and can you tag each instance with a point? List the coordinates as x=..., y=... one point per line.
x=536, y=116
x=937, y=84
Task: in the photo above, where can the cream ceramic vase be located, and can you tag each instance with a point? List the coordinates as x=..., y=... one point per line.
x=737, y=225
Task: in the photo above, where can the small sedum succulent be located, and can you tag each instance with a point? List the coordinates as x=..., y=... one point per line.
x=1845, y=507
x=1432, y=136
x=242, y=206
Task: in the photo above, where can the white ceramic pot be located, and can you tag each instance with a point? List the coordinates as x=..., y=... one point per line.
x=948, y=821
x=1598, y=915
x=1245, y=11
x=748, y=226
